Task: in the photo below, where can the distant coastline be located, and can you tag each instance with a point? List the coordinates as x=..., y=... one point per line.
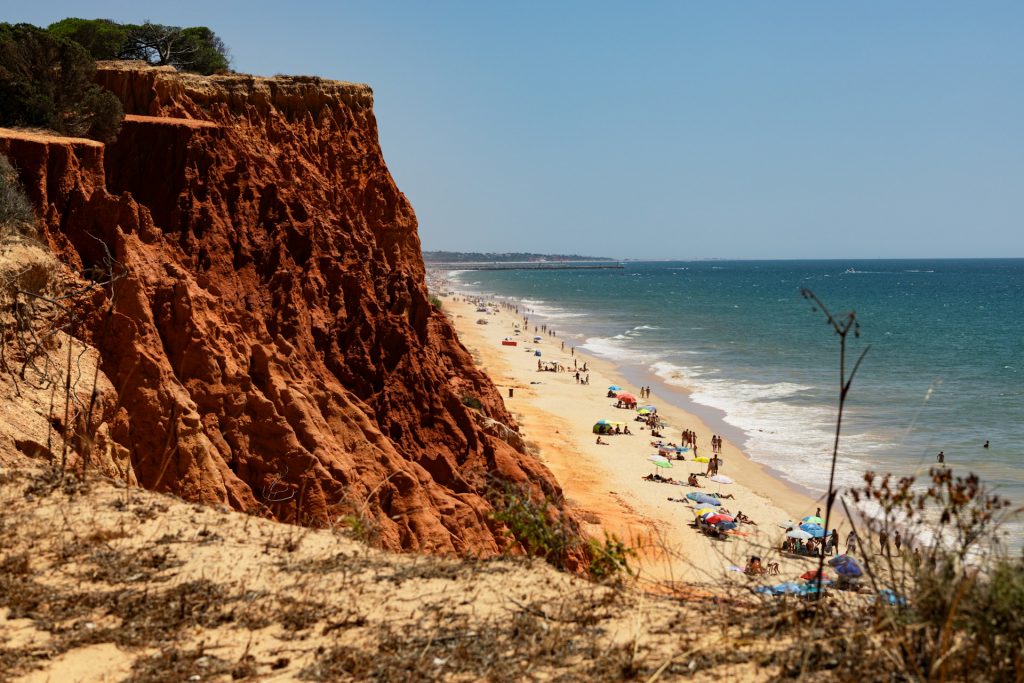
x=449, y=257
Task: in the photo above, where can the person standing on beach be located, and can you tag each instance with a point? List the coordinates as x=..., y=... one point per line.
x=833, y=542
x=940, y=458
x=851, y=542
x=897, y=541
x=883, y=542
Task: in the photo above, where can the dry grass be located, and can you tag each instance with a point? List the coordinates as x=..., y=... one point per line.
x=182, y=591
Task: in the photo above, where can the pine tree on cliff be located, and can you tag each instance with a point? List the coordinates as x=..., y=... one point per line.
x=192, y=48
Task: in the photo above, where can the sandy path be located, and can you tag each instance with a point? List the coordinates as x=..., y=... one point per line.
x=604, y=483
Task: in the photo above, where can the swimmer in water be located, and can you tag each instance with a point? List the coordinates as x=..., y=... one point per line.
x=986, y=444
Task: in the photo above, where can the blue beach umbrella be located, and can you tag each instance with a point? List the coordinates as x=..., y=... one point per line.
x=846, y=566
x=614, y=387
x=703, y=499
x=815, y=530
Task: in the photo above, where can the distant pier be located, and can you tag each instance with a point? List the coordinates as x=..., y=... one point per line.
x=527, y=265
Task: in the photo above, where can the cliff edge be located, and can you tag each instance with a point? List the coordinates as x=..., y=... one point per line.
x=260, y=318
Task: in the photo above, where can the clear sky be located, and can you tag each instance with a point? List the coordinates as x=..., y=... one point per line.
x=668, y=130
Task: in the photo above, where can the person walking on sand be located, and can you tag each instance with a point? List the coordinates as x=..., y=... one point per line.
x=883, y=543
x=897, y=541
x=851, y=542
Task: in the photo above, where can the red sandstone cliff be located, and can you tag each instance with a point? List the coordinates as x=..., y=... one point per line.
x=270, y=343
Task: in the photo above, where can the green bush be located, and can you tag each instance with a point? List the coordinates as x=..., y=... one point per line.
x=537, y=525
x=472, y=402
x=435, y=301
x=46, y=81
x=16, y=214
x=608, y=559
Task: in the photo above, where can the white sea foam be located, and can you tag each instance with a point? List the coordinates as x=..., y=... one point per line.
x=618, y=348
x=796, y=440
x=546, y=310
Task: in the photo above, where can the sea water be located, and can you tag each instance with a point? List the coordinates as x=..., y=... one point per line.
x=945, y=369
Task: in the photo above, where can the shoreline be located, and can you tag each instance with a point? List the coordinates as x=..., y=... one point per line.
x=604, y=484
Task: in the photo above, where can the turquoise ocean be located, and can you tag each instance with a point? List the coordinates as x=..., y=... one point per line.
x=735, y=342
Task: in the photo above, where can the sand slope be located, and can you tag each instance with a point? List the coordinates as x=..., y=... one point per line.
x=101, y=583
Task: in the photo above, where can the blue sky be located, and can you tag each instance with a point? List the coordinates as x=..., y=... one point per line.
x=812, y=129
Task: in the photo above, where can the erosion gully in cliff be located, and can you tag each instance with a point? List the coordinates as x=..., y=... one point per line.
x=270, y=343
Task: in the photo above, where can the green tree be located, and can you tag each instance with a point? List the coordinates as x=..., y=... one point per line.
x=195, y=48
x=102, y=38
x=46, y=81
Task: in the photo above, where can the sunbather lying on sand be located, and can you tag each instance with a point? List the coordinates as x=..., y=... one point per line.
x=658, y=477
x=743, y=519
x=754, y=567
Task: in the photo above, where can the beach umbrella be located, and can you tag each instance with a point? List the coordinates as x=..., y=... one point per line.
x=662, y=463
x=643, y=411
x=651, y=408
x=627, y=397
x=799, y=534
x=892, y=598
x=658, y=458
x=812, y=520
x=703, y=499
x=726, y=526
x=849, y=569
x=810, y=575
x=721, y=479
x=615, y=387
x=845, y=565
x=789, y=587
x=700, y=459
x=704, y=511
x=815, y=530
x=715, y=519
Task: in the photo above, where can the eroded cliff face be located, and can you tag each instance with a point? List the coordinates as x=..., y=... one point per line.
x=269, y=336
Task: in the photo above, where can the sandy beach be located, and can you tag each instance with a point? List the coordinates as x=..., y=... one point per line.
x=605, y=484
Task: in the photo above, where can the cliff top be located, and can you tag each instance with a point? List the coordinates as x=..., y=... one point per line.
x=284, y=92
x=44, y=136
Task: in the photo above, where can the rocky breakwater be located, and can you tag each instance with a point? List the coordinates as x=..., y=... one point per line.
x=268, y=333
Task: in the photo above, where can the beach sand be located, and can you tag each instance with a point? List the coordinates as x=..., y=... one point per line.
x=604, y=483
